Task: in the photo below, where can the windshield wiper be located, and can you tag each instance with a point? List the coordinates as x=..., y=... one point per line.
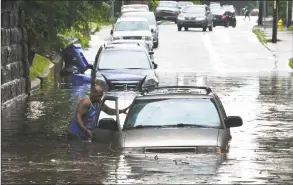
x=133, y=68
x=145, y=126
x=187, y=125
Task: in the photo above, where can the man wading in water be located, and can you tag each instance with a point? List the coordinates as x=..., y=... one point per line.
x=86, y=111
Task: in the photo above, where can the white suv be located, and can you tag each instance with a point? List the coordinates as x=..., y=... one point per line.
x=130, y=28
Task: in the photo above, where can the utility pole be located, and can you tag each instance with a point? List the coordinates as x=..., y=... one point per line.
x=289, y=13
x=275, y=14
x=113, y=9
x=260, y=13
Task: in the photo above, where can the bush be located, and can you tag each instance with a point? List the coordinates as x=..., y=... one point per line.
x=153, y=4
x=290, y=28
x=259, y=35
x=291, y=62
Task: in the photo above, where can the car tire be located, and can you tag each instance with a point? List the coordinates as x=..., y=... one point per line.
x=210, y=28
x=186, y=28
x=175, y=21
x=179, y=28
x=204, y=29
x=156, y=44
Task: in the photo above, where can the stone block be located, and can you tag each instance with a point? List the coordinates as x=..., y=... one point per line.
x=15, y=35
x=13, y=53
x=25, y=68
x=4, y=20
x=24, y=52
x=11, y=19
x=24, y=35
x=7, y=55
x=17, y=18
x=5, y=37
x=3, y=73
x=19, y=52
x=22, y=18
x=4, y=56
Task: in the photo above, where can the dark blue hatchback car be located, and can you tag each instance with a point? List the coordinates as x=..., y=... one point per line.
x=124, y=67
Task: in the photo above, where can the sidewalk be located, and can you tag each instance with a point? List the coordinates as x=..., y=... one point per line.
x=283, y=49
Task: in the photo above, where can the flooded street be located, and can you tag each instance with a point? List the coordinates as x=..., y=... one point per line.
x=35, y=148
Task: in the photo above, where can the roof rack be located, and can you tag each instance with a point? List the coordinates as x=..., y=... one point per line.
x=150, y=89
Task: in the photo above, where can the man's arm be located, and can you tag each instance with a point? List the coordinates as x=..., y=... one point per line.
x=111, y=111
x=82, y=109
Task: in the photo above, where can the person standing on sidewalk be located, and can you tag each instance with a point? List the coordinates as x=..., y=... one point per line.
x=246, y=12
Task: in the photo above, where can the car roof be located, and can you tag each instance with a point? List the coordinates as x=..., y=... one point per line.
x=138, y=12
x=174, y=2
x=121, y=19
x=176, y=92
x=122, y=46
x=132, y=41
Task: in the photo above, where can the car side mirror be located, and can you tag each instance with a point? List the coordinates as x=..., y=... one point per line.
x=108, y=124
x=151, y=52
x=111, y=32
x=152, y=30
x=233, y=121
x=90, y=66
x=155, y=65
x=159, y=22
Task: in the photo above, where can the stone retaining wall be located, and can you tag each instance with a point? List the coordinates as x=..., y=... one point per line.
x=14, y=52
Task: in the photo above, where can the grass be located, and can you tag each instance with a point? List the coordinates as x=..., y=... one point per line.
x=291, y=62
x=290, y=28
x=39, y=66
x=260, y=35
x=97, y=25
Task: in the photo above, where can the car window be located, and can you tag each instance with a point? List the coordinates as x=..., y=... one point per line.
x=194, y=9
x=184, y=3
x=173, y=111
x=122, y=59
x=168, y=5
x=131, y=26
x=150, y=17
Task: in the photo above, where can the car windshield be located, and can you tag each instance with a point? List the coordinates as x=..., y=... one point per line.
x=168, y=5
x=230, y=8
x=184, y=3
x=149, y=16
x=171, y=112
x=134, y=7
x=194, y=9
x=123, y=59
x=132, y=26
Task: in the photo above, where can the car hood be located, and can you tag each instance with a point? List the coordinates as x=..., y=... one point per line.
x=167, y=8
x=132, y=33
x=125, y=74
x=171, y=137
x=193, y=15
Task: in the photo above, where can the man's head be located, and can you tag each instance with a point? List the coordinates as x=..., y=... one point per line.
x=97, y=93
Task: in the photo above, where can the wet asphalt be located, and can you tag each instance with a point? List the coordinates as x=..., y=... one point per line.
x=248, y=79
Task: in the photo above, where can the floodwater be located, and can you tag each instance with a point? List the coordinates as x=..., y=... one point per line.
x=35, y=148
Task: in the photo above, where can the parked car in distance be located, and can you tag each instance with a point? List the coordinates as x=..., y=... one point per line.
x=153, y=24
x=167, y=10
x=124, y=67
x=182, y=4
x=135, y=6
x=132, y=28
x=195, y=16
x=229, y=8
x=217, y=17
x=170, y=119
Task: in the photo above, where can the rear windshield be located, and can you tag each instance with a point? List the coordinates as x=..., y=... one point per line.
x=194, y=9
x=173, y=111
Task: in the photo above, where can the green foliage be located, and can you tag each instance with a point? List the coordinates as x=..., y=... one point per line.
x=290, y=28
x=291, y=62
x=39, y=66
x=153, y=4
x=48, y=21
x=196, y=2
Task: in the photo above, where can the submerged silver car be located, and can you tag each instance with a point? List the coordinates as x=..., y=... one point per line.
x=170, y=119
x=195, y=16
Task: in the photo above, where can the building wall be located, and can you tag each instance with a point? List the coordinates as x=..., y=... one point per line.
x=14, y=52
